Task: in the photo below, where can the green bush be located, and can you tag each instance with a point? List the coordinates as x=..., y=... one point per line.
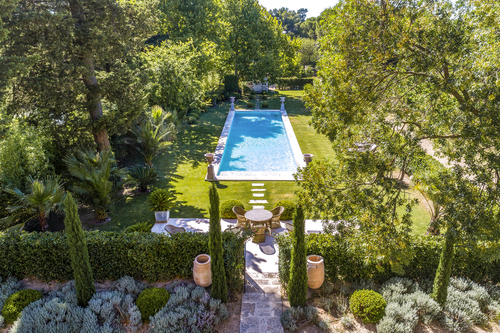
x=17, y=302
x=251, y=97
x=195, y=111
x=191, y=120
x=250, y=105
x=230, y=84
x=264, y=97
x=143, y=256
x=368, y=305
x=150, y=301
x=161, y=200
x=226, y=209
x=265, y=104
x=236, y=95
x=286, y=83
x=346, y=260
x=289, y=209
x=139, y=227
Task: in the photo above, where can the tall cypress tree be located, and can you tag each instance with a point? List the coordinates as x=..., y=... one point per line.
x=297, y=287
x=219, y=286
x=84, y=281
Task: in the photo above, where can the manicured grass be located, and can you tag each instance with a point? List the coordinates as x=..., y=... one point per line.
x=183, y=166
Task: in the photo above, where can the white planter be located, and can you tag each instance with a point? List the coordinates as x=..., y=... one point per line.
x=162, y=216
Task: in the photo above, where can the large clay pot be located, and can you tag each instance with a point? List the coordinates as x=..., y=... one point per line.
x=315, y=271
x=202, y=273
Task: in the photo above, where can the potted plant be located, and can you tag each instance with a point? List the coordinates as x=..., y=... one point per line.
x=161, y=201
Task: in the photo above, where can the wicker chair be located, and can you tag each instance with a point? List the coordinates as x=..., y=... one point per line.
x=275, y=221
x=240, y=215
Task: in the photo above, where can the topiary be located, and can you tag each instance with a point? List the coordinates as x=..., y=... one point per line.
x=265, y=104
x=226, y=209
x=289, y=209
x=251, y=97
x=264, y=97
x=249, y=105
x=368, y=305
x=17, y=302
x=150, y=301
x=161, y=200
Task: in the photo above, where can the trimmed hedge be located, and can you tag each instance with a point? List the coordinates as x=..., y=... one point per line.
x=289, y=209
x=368, y=305
x=343, y=263
x=150, y=301
x=293, y=83
x=226, y=208
x=143, y=256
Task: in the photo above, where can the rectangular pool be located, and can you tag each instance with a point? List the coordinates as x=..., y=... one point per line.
x=257, y=145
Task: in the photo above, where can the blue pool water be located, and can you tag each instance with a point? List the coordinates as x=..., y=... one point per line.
x=257, y=142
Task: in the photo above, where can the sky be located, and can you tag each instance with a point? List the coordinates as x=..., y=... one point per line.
x=314, y=7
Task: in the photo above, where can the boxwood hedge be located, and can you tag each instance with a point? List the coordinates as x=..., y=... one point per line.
x=343, y=263
x=145, y=256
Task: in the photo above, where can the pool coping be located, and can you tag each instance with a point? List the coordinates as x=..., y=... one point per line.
x=253, y=175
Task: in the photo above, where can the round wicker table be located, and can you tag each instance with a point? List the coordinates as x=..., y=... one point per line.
x=259, y=218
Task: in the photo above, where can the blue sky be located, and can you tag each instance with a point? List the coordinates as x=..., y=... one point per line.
x=314, y=7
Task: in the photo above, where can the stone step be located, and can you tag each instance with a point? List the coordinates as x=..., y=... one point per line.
x=259, y=207
x=258, y=194
x=260, y=313
x=258, y=189
x=257, y=184
x=257, y=202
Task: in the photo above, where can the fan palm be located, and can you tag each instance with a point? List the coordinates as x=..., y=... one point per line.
x=143, y=175
x=97, y=178
x=43, y=197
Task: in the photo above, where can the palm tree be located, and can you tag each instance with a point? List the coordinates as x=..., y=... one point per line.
x=97, y=179
x=151, y=138
x=43, y=197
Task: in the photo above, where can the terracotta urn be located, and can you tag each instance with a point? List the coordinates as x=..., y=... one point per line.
x=315, y=271
x=202, y=272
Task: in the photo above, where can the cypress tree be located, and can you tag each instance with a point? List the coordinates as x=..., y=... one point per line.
x=297, y=287
x=442, y=279
x=219, y=286
x=84, y=281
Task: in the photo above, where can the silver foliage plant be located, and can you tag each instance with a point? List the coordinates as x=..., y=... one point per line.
x=189, y=309
x=7, y=288
x=59, y=311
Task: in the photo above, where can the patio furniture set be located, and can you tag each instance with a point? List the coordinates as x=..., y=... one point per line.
x=260, y=219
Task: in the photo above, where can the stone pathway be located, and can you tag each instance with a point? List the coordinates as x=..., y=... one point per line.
x=257, y=104
x=261, y=306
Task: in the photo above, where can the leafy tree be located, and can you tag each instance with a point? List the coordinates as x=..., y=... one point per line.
x=290, y=20
x=67, y=65
x=42, y=197
x=297, y=288
x=24, y=151
x=309, y=55
x=391, y=75
x=96, y=179
x=256, y=41
x=219, y=285
x=80, y=262
x=309, y=28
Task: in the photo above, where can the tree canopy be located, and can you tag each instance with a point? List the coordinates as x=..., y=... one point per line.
x=392, y=74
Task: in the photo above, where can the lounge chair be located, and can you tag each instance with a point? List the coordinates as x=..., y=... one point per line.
x=275, y=221
x=172, y=229
x=240, y=215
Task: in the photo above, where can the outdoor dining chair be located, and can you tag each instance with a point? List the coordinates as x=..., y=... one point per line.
x=275, y=221
x=240, y=215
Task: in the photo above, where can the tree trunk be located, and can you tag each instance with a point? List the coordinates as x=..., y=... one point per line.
x=443, y=273
x=44, y=226
x=94, y=106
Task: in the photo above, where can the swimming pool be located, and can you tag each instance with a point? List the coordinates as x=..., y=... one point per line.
x=257, y=145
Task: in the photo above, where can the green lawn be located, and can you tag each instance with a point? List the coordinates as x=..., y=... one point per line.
x=183, y=166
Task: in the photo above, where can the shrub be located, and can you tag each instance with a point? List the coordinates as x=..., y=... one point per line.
x=399, y=318
x=161, y=200
x=251, y=97
x=143, y=175
x=264, y=97
x=250, y=105
x=236, y=95
x=194, y=115
x=139, y=227
x=285, y=83
x=150, y=301
x=226, y=209
x=291, y=316
x=189, y=309
x=143, y=256
x=191, y=120
x=17, y=302
x=289, y=209
x=7, y=288
x=347, y=321
x=368, y=305
x=265, y=104
x=128, y=285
